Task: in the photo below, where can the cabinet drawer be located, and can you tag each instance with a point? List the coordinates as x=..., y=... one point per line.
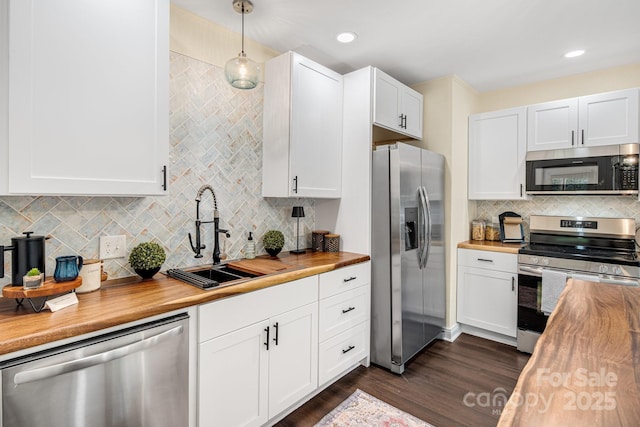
x=345, y=278
x=343, y=311
x=487, y=259
x=339, y=353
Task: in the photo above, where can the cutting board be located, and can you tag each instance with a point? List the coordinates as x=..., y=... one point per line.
x=259, y=266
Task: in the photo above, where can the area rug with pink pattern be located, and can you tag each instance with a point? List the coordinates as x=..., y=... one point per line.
x=362, y=409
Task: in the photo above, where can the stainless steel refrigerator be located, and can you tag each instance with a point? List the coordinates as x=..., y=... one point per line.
x=408, y=253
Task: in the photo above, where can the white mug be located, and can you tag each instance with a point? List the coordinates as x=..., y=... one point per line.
x=91, y=276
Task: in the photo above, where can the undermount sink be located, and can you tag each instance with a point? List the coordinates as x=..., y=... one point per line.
x=210, y=276
x=222, y=273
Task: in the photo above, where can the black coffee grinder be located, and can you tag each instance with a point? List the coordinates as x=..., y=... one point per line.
x=27, y=253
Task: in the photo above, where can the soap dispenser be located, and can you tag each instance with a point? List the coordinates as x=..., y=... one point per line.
x=250, y=248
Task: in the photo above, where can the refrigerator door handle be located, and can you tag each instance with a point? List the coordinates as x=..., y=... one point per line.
x=427, y=227
x=421, y=227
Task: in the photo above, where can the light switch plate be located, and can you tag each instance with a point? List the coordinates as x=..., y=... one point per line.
x=113, y=247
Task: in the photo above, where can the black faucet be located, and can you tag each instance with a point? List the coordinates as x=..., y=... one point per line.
x=216, y=225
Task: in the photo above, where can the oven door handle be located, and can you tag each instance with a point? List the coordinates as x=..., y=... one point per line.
x=526, y=269
x=623, y=282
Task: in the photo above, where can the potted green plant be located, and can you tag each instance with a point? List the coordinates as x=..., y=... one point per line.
x=147, y=258
x=33, y=279
x=273, y=241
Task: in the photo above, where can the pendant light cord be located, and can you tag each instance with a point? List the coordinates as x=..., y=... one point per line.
x=243, y=54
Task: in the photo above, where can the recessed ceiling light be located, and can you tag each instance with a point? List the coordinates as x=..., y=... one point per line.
x=573, y=53
x=347, y=37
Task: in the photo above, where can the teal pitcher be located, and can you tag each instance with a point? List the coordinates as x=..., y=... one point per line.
x=67, y=268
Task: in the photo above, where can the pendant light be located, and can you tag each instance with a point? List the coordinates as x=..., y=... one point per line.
x=242, y=72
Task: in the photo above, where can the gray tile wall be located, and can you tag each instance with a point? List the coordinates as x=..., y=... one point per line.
x=598, y=206
x=216, y=139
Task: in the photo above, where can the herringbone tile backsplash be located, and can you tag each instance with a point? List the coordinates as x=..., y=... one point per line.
x=216, y=139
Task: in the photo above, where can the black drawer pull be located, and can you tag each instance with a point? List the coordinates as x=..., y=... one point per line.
x=349, y=279
x=485, y=260
x=348, y=310
x=351, y=347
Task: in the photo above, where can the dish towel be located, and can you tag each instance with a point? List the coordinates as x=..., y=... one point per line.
x=553, y=283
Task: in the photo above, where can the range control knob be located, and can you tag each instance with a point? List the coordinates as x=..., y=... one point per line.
x=603, y=268
x=544, y=261
x=533, y=260
x=617, y=271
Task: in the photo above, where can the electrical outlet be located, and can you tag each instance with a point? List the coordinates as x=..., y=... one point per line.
x=113, y=247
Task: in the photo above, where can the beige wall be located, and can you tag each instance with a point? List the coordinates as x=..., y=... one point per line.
x=194, y=36
x=448, y=101
x=623, y=77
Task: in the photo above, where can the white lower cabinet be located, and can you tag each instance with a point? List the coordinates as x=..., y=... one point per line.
x=262, y=353
x=487, y=291
x=258, y=354
x=345, y=300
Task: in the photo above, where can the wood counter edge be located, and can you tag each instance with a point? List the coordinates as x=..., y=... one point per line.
x=204, y=296
x=509, y=248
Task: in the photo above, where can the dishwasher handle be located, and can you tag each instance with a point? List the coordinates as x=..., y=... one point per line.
x=97, y=359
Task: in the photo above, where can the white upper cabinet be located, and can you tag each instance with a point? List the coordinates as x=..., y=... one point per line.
x=397, y=107
x=302, y=132
x=88, y=97
x=603, y=119
x=497, y=150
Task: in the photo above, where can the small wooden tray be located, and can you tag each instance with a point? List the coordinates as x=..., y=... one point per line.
x=50, y=287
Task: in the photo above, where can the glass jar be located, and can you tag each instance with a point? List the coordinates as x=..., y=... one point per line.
x=492, y=231
x=477, y=229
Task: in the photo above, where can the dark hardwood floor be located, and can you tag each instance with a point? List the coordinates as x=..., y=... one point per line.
x=464, y=383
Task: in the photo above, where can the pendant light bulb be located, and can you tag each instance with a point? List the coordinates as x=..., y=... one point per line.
x=242, y=72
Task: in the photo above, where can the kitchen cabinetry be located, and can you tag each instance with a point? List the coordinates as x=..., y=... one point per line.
x=602, y=119
x=497, y=151
x=396, y=106
x=87, y=109
x=302, y=131
x=258, y=353
x=487, y=291
x=345, y=299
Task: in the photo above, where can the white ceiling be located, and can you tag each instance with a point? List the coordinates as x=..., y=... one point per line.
x=490, y=44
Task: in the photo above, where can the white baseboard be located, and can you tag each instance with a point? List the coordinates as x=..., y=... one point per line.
x=451, y=334
x=493, y=336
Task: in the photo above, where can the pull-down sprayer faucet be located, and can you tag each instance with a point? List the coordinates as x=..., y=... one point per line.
x=216, y=225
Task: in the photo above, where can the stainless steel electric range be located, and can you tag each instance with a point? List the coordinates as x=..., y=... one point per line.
x=596, y=249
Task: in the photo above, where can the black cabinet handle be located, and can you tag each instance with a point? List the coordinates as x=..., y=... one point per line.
x=164, y=177
x=405, y=122
x=348, y=310
x=276, y=337
x=349, y=279
x=513, y=284
x=484, y=260
x=351, y=347
x=582, y=131
x=520, y=190
x=572, y=137
x=295, y=184
x=267, y=342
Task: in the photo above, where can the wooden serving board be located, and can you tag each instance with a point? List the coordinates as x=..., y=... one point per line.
x=50, y=287
x=259, y=266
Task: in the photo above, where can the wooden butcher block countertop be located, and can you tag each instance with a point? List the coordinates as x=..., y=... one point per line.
x=585, y=369
x=486, y=245
x=127, y=300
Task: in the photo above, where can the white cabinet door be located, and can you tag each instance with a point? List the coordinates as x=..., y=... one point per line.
x=293, y=357
x=553, y=125
x=302, y=132
x=396, y=106
x=412, y=102
x=609, y=118
x=233, y=378
x=603, y=119
x=88, y=97
x=497, y=150
x=487, y=299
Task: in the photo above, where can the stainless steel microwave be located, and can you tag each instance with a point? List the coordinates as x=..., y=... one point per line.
x=607, y=170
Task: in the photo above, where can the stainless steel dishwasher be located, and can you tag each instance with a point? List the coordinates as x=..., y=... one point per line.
x=136, y=377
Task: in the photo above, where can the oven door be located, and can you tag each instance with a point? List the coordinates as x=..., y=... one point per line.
x=530, y=315
x=615, y=174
